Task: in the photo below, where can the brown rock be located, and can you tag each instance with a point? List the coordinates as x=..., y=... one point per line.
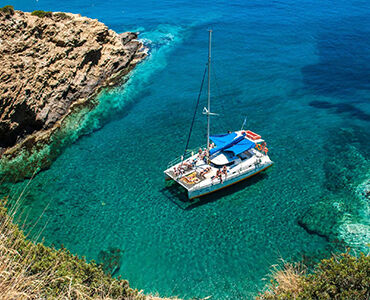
x=47, y=64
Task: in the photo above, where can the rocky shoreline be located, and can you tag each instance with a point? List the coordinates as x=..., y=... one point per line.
x=53, y=64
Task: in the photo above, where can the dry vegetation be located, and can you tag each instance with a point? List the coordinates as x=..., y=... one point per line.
x=287, y=279
x=34, y=271
x=31, y=270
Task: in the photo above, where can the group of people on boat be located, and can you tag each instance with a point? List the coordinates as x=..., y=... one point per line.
x=183, y=167
x=203, y=153
x=189, y=165
x=219, y=174
x=262, y=147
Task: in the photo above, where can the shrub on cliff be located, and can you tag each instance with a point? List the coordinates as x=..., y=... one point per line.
x=340, y=277
x=42, y=14
x=61, y=16
x=7, y=9
x=34, y=271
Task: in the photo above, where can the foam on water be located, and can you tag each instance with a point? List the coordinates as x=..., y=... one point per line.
x=355, y=229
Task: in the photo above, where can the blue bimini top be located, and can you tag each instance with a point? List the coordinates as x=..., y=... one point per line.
x=229, y=142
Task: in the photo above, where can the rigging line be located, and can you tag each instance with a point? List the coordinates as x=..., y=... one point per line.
x=195, y=112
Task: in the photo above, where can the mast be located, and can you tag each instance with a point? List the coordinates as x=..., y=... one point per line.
x=209, y=92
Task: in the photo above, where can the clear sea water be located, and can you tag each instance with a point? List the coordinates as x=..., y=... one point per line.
x=299, y=71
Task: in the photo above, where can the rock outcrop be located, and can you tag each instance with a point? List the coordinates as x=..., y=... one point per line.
x=342, y=213
x=47, y=64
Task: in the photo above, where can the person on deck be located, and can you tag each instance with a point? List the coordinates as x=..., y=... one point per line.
x=224, y=170
x=176, y=172
x=219, y=175
x=200, y=154
x=181, y=169
x=205, y=171
x=187, y=165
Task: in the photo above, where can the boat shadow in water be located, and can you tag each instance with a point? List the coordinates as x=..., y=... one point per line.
x=177, y=194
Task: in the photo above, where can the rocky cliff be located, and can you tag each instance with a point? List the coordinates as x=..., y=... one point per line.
x=49, y=62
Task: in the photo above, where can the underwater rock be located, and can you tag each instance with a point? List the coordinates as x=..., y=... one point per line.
x=343, y=211
x=50, y=65
x=321, y=219
x=110, y=260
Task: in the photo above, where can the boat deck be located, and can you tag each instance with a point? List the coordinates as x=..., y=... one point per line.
x=192, y=175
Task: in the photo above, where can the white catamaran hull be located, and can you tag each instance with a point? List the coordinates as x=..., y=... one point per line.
x=230, y=158
x=198, y=185
x=227, y=182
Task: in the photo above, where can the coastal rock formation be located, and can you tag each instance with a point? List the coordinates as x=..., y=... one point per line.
x=49, y=63
x=110, y=260
x=342, y=213
x=321, y=219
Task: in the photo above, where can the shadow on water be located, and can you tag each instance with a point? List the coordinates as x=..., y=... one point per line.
x=342, y=68
x=177, y=194
x=340, y=108
x=344, y=54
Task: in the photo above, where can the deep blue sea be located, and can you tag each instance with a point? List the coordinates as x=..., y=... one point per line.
x=298, y=70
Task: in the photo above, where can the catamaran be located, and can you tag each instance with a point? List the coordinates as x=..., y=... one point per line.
x=227, y=158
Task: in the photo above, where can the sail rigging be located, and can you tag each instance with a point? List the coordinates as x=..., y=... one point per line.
x=209, y=93
x=231, y=157
x=206, y=110
x=195, y=112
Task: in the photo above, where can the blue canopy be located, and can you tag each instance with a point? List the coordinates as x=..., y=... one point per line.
x=241, y=146
x=229, y=142
x=221, y=140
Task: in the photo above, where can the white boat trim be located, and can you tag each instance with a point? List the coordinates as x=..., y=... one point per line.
x=211, y=169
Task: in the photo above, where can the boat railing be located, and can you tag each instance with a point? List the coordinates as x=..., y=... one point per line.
x=188, y=154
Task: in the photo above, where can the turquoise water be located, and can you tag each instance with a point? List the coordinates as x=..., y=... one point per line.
x=298, y=71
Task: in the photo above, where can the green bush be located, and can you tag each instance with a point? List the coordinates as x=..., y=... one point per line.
x=42, y=14
x=7, y=9
x=61, y=15
x=341, y=277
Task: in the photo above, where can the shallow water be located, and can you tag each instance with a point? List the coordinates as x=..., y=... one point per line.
x=299, y=72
